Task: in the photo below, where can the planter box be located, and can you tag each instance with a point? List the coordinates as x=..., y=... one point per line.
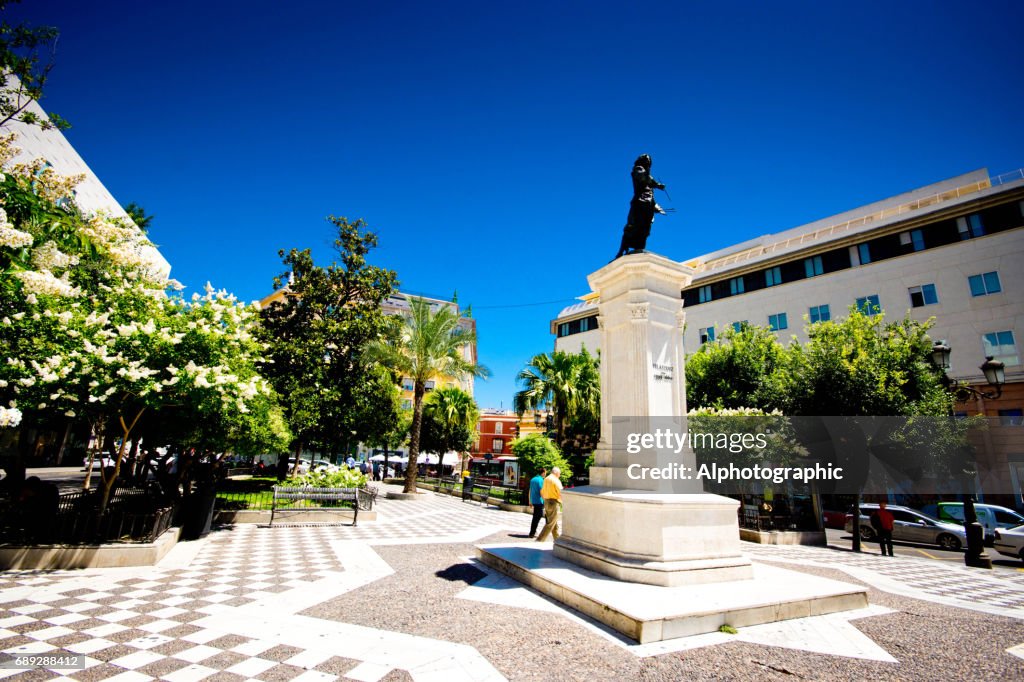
x=50, y=557
x=784, y=537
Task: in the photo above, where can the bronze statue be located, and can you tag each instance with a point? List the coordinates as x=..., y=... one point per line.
x=642, y=208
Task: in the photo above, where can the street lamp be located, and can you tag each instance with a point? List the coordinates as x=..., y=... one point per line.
x=994, y=371
x=996, y=377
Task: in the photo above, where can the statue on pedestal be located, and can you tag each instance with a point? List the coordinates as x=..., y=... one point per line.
x=642, y=208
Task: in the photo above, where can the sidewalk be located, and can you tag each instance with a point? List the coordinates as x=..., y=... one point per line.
x=404, y=598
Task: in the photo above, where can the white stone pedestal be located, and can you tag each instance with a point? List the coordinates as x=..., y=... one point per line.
x=650, y=531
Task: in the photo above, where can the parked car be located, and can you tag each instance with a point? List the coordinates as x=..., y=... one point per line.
x=101, y=461
x=324, y=465
x=1010, y=541
x=303, y=466
x=910, y=525
x=990, y=516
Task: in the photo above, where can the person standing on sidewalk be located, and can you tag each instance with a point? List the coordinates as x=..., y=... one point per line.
x=536, y=483
x=882, y=521
x=551, y=491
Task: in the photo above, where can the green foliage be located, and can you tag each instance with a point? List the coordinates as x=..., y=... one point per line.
x=138, y=216
x=450, y=416
x=862, y=366
x=317, y=335
x=426, y=344
x=536, y=452
x=570, y=385
x=342, y=478
x=23, y=71
x=748, y=368
x=728, y=629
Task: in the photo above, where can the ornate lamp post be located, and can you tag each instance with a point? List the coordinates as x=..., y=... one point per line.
x=995, y=376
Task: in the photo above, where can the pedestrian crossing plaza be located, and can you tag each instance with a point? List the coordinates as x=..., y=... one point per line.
x=231, y=607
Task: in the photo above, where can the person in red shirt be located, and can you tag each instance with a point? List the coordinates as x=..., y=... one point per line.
x=882, y=521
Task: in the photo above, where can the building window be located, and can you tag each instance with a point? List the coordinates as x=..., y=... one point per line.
x=984, y=284
x=1011, y=417
x=707, y=334
x=869, y=305
x=704, y=293
x=812, y=266
x=860, y=255
x=736, y=285
x=428, y=385
x=777, y=322
x=820, y=313
x=970, y=226
x=498, y=426
x=1000, y=346
x=923, y=295
x=738, y=326
x=406, y=404
x=773, y=276
x=408, y=385
x=498, y=445
x=913, y=238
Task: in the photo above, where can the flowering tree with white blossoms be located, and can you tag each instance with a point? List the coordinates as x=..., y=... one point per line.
x=89, y=332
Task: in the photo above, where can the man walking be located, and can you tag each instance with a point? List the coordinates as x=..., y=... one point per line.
x=551, y=491
x=536, y=483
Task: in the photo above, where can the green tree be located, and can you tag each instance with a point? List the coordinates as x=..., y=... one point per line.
x=138, y=216
x=450, y=417
x=569, y=384
x=536, y=452
x=24, y=69
x=428, y=344
x=318, y=333
x=746, y=368
x=393, y=437
x=862, y=365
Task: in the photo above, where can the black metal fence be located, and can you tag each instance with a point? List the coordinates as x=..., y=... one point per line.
x=132, y=515
x=470, y=489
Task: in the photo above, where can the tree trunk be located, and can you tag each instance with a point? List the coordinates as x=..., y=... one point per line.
x=108, y=484
x=298, y=458
x=64, y=443
x=414, y=437
x=97, y=437
x=856, y=524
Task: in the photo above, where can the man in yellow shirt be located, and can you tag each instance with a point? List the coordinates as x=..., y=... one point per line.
x=551, y=491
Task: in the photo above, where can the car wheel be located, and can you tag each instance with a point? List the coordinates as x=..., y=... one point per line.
x=867, y=533
x=949, y=542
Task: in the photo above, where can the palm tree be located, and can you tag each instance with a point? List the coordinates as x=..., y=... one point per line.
x=567, y=383
x=428, y=345
x=458, y=413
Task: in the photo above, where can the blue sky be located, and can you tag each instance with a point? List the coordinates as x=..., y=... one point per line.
x=490, y=146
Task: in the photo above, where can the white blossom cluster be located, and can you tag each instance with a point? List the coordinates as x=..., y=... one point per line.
x=733, y=412
x=11, y=237
x=44, y=282
x=9, y=417
x=49, y=258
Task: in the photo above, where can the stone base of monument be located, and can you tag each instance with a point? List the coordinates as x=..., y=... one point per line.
x=657, y=566
x=658, y=539
x=652, y=613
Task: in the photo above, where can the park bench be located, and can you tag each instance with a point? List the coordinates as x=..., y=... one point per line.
x=305, y=499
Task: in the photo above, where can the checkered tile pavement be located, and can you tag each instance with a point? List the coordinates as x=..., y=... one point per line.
x=1001, y=590
x=139, y=627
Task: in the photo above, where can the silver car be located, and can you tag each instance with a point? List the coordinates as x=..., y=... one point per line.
x=910, y=525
